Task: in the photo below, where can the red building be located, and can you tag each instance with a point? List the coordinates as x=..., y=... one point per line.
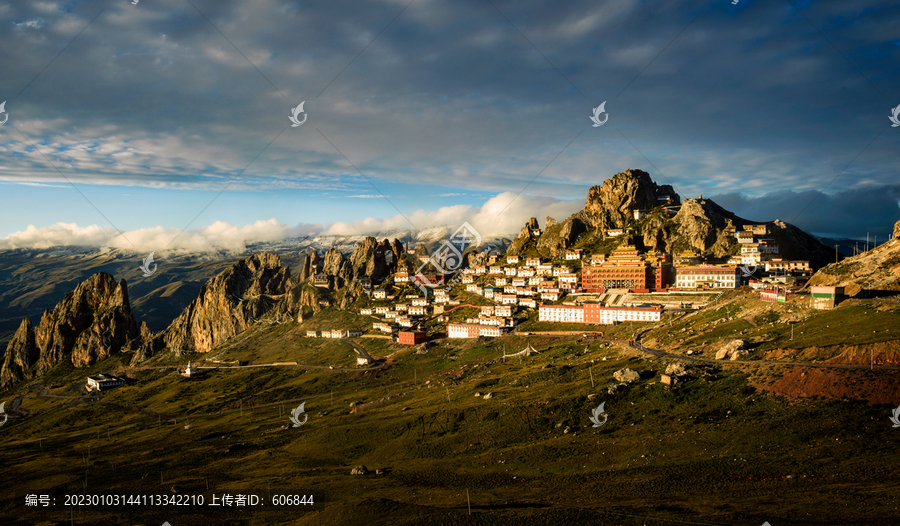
x=411, y=337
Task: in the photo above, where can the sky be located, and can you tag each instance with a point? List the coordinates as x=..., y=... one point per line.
x=158, y=124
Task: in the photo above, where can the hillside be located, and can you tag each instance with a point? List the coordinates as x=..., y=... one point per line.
x=735, y=443
x=875, y=270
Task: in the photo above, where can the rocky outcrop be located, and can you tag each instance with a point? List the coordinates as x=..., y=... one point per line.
x=550, y=223
x=627, y=375
x=332, y=262
x=229, y=303
x=91, y=323
x=732, y=350
x=875, y=269
x=21, y=355
x=310, y=265
x=611, y=204
x=368, y=260
x=696, y=225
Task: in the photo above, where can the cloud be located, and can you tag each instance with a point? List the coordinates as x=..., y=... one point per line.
x=501, y=215
x=216, y=236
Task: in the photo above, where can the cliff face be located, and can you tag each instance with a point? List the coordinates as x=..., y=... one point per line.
x=228, y=303
x=90, y=323
x=21, y=354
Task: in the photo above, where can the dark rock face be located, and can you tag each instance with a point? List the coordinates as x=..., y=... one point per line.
x=229, y=303
x=21, y=354
x=91, y=323
x=332, y=262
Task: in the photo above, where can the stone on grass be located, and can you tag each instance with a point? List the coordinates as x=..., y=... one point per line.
x=627, y=375
x=359, y=470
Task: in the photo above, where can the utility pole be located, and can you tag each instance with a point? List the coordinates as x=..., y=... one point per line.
x=835, y=253
x=867, y=241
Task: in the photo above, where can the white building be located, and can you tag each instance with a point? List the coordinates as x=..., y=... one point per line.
x=707, y=276
x=510, y=271
x=365, y=312
x=418, y=310
x=557, y=271
x=512, y=260
x=561, y=313
x=468, y=330
x=503, y=310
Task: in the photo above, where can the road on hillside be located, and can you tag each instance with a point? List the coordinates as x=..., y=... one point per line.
x=359, y=350
x=660, y=354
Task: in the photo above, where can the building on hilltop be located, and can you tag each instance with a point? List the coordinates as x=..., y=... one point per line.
x=825, y=298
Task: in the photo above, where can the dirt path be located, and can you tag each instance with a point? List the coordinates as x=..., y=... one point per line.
x=660, y=354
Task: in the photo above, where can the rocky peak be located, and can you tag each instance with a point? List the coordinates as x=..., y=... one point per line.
x=229, y=303
x=91, y=323
x=21, y=354
x=529, y=227
x=332, y=262
x=550, y=223
x=611, y=204
x=896, y=234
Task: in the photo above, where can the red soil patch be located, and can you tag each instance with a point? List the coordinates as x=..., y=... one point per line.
x=803, y=382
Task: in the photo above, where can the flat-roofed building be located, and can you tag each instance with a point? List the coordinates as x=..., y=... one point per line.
x=561, y=313
x=103, y=382
x=707, y=277
x=471, y=330
x=411, y=337
x=825, y=297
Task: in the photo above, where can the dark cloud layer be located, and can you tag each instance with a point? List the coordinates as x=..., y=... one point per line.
x=755, y=102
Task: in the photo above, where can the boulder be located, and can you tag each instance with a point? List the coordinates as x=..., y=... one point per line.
x=613, y=389
x=730, y=348
x=675, y=368
x=738, y=354
x=488, y=396
x=627, y=375
x=359, y=470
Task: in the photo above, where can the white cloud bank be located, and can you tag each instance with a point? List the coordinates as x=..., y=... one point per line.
x=501, y=215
